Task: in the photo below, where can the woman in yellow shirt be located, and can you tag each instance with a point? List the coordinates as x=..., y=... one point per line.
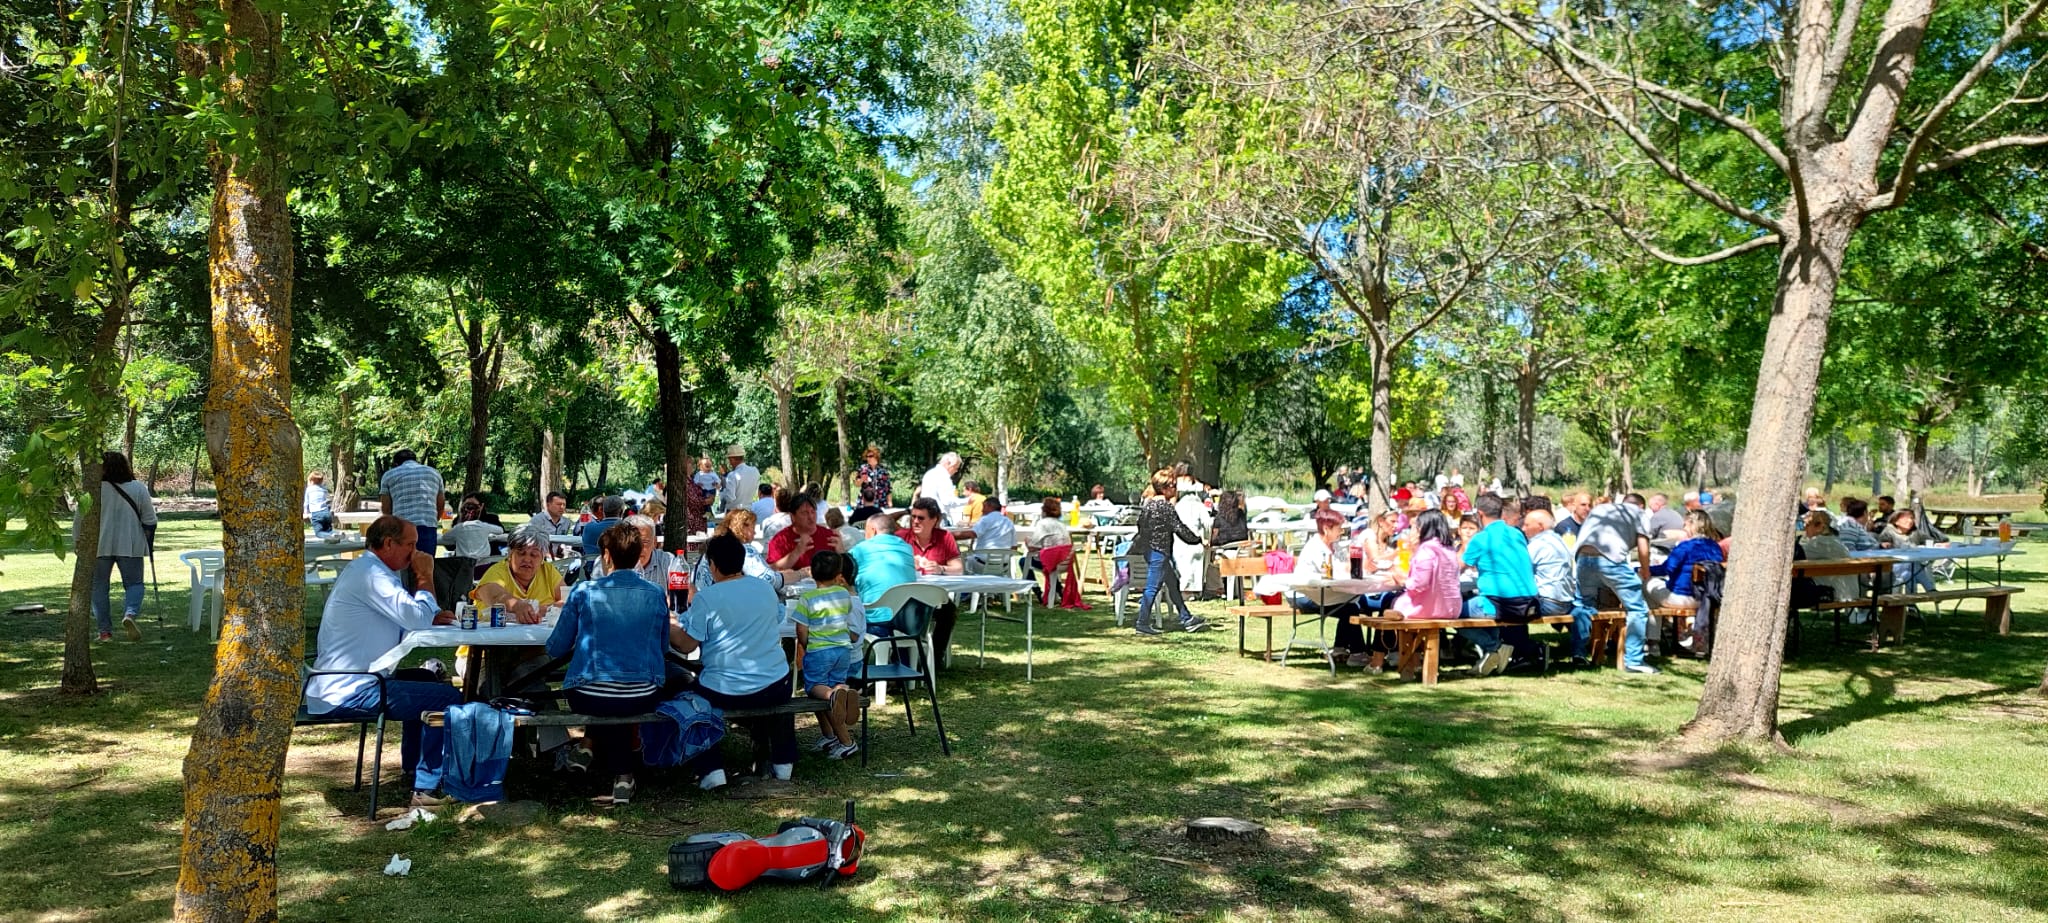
x=526, y=583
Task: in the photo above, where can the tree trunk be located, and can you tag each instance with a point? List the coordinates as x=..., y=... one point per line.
x=192, y=489
x=550, y=461
x=1916, y=467
x=234, y=770
x=675, y=439
x=782, y=397
x=1382, y=427
x=845, y=444
x=1525, y=425
x=1740, y=698
x=342, y=450
x=1902, y=471
x=78, y=678
x=102, y=376
x=1828, y=481
x=1876, y=464
x=484, y=348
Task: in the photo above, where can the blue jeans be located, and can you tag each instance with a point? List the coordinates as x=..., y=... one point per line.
x=1914, y=577
x=1621, y=577
x=420, y=747
x=102, y=587
x=322, y=521
x=428, y=535
x=1158, y=565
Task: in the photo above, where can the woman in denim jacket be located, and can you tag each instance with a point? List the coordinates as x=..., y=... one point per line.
x=617, y=627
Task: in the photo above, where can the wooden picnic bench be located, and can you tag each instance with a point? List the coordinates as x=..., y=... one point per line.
x=1997, y=607
x=1419, y=641
x=569, y=719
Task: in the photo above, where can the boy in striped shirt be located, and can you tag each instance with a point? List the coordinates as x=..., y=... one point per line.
x=824, y=627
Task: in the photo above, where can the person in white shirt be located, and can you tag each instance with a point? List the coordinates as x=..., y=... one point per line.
x=781, y=510
x=1556, y=577
x=1187, y=557
x=742, y=480
x=995, y=529
x=1047, y=532
x=470, y=536
x=938, y=485
x=317, y=505
x=368, y=612
x=764, y=504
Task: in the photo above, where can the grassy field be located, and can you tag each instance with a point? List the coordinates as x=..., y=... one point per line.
x=1916, y=792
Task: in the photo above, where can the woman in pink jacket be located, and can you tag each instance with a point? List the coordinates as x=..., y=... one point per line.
x=1433, y=591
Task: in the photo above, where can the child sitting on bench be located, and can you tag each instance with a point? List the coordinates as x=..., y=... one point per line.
x=824, y=619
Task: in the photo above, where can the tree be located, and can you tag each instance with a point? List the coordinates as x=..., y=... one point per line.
x=1378, y=152
x=1156, y=309
x=1845, y=145
x=82, y=163
x=718, y=138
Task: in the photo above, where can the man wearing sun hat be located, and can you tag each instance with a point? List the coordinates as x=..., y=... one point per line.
x=742, y=480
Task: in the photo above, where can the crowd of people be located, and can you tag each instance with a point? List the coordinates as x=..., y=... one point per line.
x=1435, y=552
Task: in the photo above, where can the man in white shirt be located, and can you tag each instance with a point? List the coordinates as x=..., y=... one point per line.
x=781, y=507
x=995, y=529
x=938, y=485
x=1557, y=588
x=741, y=480
x=368, y=612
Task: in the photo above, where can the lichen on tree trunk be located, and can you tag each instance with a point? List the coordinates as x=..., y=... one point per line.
x=235, y=767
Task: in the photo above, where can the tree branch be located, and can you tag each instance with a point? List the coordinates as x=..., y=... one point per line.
x=1909, y=164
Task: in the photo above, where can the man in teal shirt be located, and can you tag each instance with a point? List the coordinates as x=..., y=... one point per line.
x=1507, y=581
x=881, y=562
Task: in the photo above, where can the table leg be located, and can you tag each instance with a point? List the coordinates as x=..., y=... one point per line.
x=1030, y=608
x=473, y=673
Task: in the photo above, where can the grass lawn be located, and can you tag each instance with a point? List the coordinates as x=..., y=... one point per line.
x=1917, y=791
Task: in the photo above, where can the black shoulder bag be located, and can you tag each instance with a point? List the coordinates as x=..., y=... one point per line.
x=148, y=529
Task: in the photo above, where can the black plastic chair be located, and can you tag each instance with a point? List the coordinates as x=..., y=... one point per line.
x=911, y=606
x=362, y=720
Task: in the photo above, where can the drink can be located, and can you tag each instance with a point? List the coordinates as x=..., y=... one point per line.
x=465, y=615
x=497, y=616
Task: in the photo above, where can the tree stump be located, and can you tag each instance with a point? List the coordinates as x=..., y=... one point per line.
x=1224, y=830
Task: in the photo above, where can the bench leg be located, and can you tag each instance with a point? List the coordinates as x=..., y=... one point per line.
x=1891, y=624
x=1998, y=614
x=1432, y=644
x=1619, y=634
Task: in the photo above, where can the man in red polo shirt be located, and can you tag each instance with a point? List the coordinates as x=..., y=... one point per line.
x=791, y=548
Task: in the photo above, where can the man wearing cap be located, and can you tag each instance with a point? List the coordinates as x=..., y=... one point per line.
x=742, y=480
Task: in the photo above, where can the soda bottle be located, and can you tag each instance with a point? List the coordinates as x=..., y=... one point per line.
x=678, y=584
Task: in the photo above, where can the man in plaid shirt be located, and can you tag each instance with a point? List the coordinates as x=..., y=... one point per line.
x=413, y=492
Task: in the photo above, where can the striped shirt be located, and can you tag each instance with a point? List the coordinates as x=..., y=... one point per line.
x=826, y=611
x=617, y=690
x=415, y=491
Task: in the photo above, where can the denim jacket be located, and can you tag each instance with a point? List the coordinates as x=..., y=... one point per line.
x=618, y=627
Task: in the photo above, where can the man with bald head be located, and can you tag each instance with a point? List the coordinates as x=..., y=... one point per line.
x=1556, y=582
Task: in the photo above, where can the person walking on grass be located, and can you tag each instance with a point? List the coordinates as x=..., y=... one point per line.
x=127, y=531
x=1158, y=526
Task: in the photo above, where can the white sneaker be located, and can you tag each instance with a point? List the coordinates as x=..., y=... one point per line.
x=1494, y=662
x=843, y=751
x=712, y=780
x=782, y=771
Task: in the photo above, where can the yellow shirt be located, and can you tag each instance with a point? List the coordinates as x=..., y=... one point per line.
x=972, y=511
x=547, y=582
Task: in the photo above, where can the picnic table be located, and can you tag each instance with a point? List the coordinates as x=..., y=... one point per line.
x=1997, y=597
x=1967, y=521
x=317, y=548
x=1877, y=566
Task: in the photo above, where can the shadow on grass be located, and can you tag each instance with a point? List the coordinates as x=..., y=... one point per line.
x=1516, y=798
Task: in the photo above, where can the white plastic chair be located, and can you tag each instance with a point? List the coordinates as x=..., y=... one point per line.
x=891, y=599
x=204, y=571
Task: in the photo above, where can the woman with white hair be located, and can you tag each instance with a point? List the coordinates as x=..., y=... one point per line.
x=655, y=563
